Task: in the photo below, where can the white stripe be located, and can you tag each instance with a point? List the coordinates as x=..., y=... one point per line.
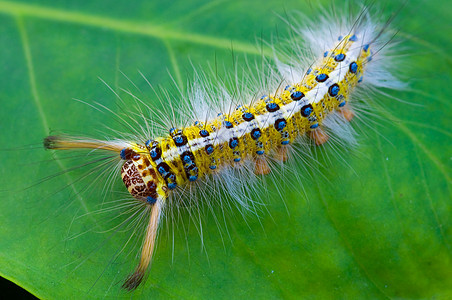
x=268, y=119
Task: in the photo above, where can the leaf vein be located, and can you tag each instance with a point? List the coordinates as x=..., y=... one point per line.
x=37, y=101
x=140, y=28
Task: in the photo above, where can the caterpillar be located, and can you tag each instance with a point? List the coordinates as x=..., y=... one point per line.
x=245, y=132
x=374, y=225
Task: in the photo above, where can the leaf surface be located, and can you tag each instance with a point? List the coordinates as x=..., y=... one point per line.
x=376, y=227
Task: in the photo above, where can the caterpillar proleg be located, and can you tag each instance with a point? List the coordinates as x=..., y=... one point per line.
x=297, y=166
x=249, y=129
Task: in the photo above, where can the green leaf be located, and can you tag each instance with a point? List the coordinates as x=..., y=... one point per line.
x=378, y=226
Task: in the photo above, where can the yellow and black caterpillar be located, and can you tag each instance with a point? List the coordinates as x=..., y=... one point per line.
x=261, y=128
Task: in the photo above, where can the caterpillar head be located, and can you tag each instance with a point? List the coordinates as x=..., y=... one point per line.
x=140, y=178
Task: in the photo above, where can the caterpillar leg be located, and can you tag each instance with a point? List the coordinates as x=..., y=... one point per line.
x=282, y=154
x=319, y=136
x=134, y=280
x=346, y=113
x=261, y=167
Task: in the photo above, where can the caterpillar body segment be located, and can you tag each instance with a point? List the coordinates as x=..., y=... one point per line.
x=267, y=127
x=154, y=170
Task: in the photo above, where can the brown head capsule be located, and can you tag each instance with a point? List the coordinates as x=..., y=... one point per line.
x=140, y=178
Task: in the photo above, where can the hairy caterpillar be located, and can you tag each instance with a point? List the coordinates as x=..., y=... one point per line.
x=159, y=169
x=292, y=206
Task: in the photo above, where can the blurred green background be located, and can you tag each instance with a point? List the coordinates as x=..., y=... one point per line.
x=379, y=227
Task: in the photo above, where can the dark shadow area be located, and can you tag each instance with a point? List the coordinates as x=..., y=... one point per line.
x=11, y=290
